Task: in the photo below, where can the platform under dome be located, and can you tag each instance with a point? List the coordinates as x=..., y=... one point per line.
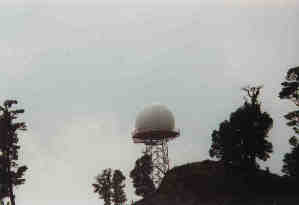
x=155, y=117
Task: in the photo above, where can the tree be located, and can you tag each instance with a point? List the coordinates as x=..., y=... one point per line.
x=118, y=185
x=11, y=174
x=141, y=176
x=111, y=188
x=242, y=139
x=290, y=164
x=103, y=186
x=289, y=91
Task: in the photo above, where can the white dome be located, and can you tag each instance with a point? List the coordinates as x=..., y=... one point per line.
x=156, y=117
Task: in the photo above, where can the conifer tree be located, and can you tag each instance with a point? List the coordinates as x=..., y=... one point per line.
x=290, y=164
x=11, y=174
x=141, y=176
x=242, y=139
x=103, y=186
x=118, y=185
x=289, y=91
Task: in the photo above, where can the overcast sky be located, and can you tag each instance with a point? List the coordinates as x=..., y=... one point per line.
x=84, y=69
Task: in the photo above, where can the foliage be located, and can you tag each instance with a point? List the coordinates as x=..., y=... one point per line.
x=290, y=91
x=103, y=186
x=111, y=188
x=242, y=139
x=11, y=174
x=118, y=194
x=141, y=176
x=290, y=164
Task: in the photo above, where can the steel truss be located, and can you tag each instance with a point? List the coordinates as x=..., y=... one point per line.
x=158, y=150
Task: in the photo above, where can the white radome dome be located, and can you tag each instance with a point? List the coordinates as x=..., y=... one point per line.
x=155, y=117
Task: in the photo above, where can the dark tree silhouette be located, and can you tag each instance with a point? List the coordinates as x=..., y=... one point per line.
x=141, y=176
x=289, y=91
x=11, y=174
x=290, y=164
x=103, y=186
x=242, y=139
x=118, y=185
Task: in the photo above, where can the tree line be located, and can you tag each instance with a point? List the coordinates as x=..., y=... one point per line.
x=111, y=189
x=243, y=139
x=239, y=142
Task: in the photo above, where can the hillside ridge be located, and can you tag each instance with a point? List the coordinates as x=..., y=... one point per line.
x=210, y=183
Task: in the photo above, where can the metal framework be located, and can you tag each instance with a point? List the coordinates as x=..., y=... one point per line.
x=156, y=145
x=159, y=154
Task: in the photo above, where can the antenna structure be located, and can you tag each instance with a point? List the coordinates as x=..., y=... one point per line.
x=155, y=127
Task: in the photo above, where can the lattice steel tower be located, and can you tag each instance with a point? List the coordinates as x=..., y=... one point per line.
x=155, y=127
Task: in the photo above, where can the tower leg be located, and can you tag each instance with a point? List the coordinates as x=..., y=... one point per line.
x=159, y=154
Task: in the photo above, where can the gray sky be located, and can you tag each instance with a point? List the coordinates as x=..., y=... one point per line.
x=83, y=70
